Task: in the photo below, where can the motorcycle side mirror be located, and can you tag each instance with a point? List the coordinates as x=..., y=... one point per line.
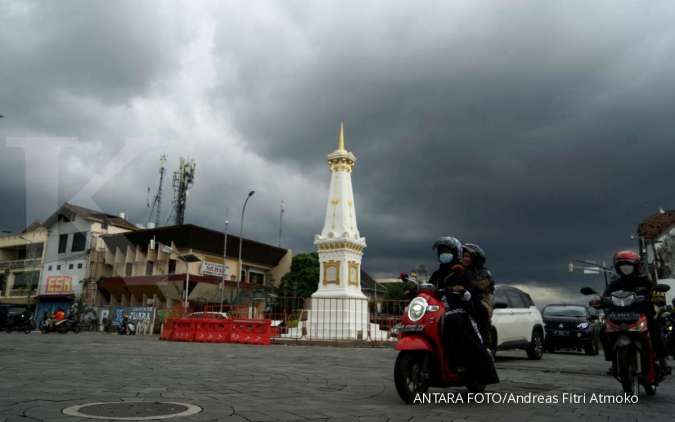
x=586, y=291
x=662, y=288
x=501, y=305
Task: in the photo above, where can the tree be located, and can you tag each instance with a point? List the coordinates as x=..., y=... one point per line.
x=303, y=279
x=395, y=291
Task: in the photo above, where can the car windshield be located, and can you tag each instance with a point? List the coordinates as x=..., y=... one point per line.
x=565, y=311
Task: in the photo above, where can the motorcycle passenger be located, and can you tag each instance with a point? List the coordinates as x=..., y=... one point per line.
x=630, y=278
x=483, y=285
x=462, y=341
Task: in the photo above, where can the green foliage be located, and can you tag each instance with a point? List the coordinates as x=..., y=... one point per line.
x=395, y=291
x=303, y=279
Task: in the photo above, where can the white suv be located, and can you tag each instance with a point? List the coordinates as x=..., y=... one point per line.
x=517, y=323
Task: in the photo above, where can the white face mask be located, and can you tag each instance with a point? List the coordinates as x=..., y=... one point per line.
x=445, y=258
x=626, y=269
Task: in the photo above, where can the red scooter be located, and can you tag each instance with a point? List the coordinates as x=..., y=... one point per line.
x=628, y=336
x=421, y=362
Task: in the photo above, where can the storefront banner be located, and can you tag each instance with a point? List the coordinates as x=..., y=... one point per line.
x=213, y=268
x=59, y=284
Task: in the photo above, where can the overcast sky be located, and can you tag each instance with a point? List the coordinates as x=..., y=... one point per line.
x=543, y=131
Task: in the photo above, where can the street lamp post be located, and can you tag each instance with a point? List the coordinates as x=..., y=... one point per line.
x=222, y=282
x=282, y=209
x=591, y=267
x=187, y=259
x=241, y=234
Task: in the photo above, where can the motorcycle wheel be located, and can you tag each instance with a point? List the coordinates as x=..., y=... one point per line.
x=411, y=375
x=76, y=329
x=650, y=389
x=8, y=330
x=474, y=387
x=27, y=330
x=626, y=369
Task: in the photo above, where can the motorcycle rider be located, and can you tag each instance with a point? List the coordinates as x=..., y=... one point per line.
x=461, y=338
x=628, y=268
x=483, y=284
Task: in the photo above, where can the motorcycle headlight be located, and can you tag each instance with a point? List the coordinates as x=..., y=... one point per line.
x=417, y=308
x=582, y=326
x=623, y=300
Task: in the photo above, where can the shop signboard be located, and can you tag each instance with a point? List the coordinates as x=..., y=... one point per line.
x=59, y=284
x=213, y=268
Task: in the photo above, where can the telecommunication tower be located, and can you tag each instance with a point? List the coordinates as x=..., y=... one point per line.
x=183, y=179
x=156, y=207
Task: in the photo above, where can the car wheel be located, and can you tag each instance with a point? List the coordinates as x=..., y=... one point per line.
x=536, y=349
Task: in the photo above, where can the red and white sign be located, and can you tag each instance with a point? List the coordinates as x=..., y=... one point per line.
x=59, y=284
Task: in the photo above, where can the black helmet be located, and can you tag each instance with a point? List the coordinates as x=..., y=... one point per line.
x=478, y=257
x=451, y=243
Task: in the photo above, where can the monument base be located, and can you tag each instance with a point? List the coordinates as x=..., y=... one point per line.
x=344, y=317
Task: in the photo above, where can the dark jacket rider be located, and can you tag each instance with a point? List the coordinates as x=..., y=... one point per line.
x=464, y=346
x=630, y=278
x=483, y=287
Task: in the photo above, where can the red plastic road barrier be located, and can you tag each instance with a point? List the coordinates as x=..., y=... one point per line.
x=222, y=331
x=252, y=331
x=183, y=330
x=203, y=330
x=167, y=330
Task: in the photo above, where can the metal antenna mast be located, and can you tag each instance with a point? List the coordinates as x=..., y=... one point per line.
x=156, y=207
x=183, y=179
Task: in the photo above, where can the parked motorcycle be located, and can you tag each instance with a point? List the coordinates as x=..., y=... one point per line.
x=20, y=322
x=71, y=323
x=422, y=362
x=127, y=327
x=628, y=336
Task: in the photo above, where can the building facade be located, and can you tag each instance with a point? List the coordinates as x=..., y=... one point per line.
x=21, y=258
x=74, y=240
x=157, y=266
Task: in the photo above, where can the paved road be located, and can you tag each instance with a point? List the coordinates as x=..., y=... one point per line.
x=42, y=374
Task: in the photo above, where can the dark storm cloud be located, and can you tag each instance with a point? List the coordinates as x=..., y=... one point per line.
x=544, y=132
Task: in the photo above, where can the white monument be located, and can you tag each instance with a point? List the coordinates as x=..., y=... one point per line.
x=339, y=309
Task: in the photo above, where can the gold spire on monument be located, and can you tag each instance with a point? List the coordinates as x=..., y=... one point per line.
x=341, y=159
x=341, y=139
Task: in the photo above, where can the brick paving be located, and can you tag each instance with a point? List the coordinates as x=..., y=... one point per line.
x=42, y=374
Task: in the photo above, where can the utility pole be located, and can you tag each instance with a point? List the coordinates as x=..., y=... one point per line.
x=222, y=281
x=281, y=215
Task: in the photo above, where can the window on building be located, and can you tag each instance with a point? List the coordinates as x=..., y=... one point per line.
x=129, y=269
x=32, y=251
x=71, y=266
x=63, y=243
x=242, y=277
x=25, y=281
x=58, y=268
x=256, y=278
x=79, y=242
x=149, y=267
x=49, y=268
x=79, y=265
x=2, y=284
x=172, y=266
